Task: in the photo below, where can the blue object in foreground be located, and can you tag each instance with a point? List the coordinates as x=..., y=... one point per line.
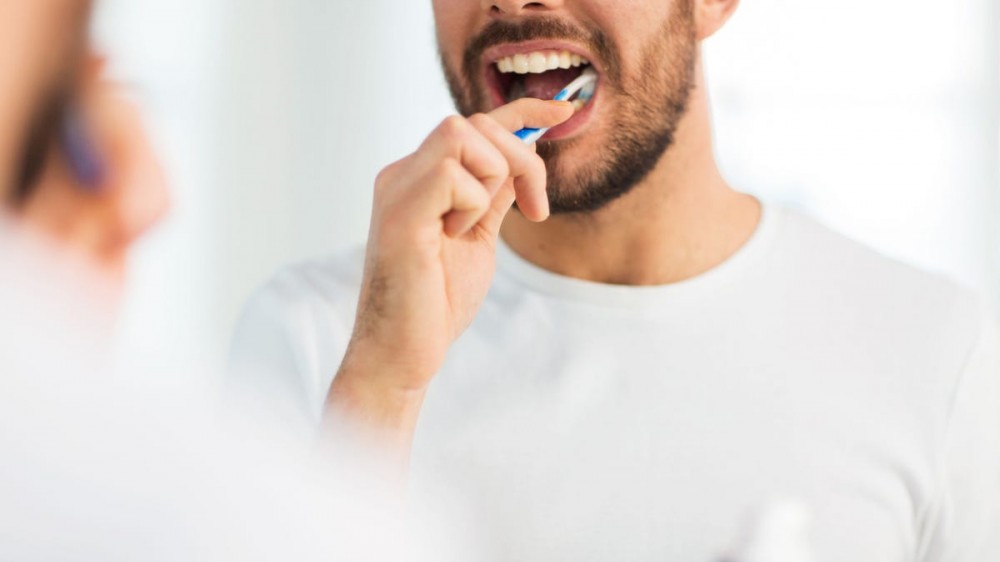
x=82, y=156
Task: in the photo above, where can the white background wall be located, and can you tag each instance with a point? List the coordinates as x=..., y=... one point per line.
x=273, y=117
x=881, y=118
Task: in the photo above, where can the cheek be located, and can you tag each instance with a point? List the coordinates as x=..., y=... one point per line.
x=631, y=25
x=454, y=20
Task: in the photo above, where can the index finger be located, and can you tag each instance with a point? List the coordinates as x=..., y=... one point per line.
x=531, y=112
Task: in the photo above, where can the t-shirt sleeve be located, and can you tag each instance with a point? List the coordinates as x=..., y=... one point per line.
x=968, y=528
x=286, y=348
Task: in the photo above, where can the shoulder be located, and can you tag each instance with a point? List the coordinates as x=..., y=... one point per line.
x=326, y=279
x=836, y=266
x=294, y=330
x=895, y=305
x=814, y=246
x=327, y=285
x=304, y=313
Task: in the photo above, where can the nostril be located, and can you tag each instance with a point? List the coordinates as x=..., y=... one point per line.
x=496, y=10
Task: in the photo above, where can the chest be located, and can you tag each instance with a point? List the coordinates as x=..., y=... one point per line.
x=641, y=447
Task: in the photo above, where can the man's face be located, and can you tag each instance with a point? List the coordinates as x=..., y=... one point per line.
x=643, y=51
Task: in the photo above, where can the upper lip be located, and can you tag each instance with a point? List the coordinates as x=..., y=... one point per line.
x=497, y=52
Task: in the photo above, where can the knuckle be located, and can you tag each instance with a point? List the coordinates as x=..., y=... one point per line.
x=503, y=168
x=448, y=169
x=483, y=200
x=532, y=165
x=525, y=104
x=480, y=120
x=385, y=176
x=449, y=174
x=389, y=178
x=536, y=161
x=381, y=180
x=477, y=201
x=453, y=127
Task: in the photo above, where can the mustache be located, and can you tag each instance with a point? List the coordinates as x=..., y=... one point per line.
x=499, y=32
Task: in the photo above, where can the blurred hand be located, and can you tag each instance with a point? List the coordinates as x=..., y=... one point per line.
x=100, y=222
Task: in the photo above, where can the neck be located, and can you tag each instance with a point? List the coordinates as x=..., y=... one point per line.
x=681, y=221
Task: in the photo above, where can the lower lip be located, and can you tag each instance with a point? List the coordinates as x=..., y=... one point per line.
x=576, y=123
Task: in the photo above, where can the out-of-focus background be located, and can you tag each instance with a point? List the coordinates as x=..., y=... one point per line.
x=274, y=116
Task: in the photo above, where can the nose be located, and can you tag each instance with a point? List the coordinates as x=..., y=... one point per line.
x=510, y=8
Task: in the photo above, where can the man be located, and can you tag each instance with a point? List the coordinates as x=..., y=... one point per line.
x=635, y=354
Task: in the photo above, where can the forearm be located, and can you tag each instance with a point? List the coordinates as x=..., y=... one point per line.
x=365, y=403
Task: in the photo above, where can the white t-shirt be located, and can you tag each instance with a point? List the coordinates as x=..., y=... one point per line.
x=583, y=421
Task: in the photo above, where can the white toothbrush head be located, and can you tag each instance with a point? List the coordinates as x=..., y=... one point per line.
x=588, y=89
x=585, y=82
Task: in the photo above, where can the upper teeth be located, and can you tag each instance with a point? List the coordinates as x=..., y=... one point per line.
x=539, y=62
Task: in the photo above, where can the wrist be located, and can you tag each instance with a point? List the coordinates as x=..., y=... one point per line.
x=396, y=368
x=366, y=417
x=376, y=393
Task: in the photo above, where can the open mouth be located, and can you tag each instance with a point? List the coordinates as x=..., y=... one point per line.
x=539, y=74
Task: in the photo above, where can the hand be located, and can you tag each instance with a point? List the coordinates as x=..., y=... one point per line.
x=100, y=222
x=431, y=250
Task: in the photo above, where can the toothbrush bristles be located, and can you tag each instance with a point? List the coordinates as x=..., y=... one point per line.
x=583, y=83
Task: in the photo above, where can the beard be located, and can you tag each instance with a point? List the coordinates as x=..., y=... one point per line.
x=646, y=101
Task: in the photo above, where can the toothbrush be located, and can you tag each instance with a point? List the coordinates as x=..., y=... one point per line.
x=85, y=161
x=584, y=84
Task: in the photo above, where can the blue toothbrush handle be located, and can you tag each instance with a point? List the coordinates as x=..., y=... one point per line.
x=530, y=134
x=526, y=132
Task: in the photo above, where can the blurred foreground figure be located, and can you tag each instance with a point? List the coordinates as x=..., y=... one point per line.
x=78, y=173
x=94, y=467
x=637, y=353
